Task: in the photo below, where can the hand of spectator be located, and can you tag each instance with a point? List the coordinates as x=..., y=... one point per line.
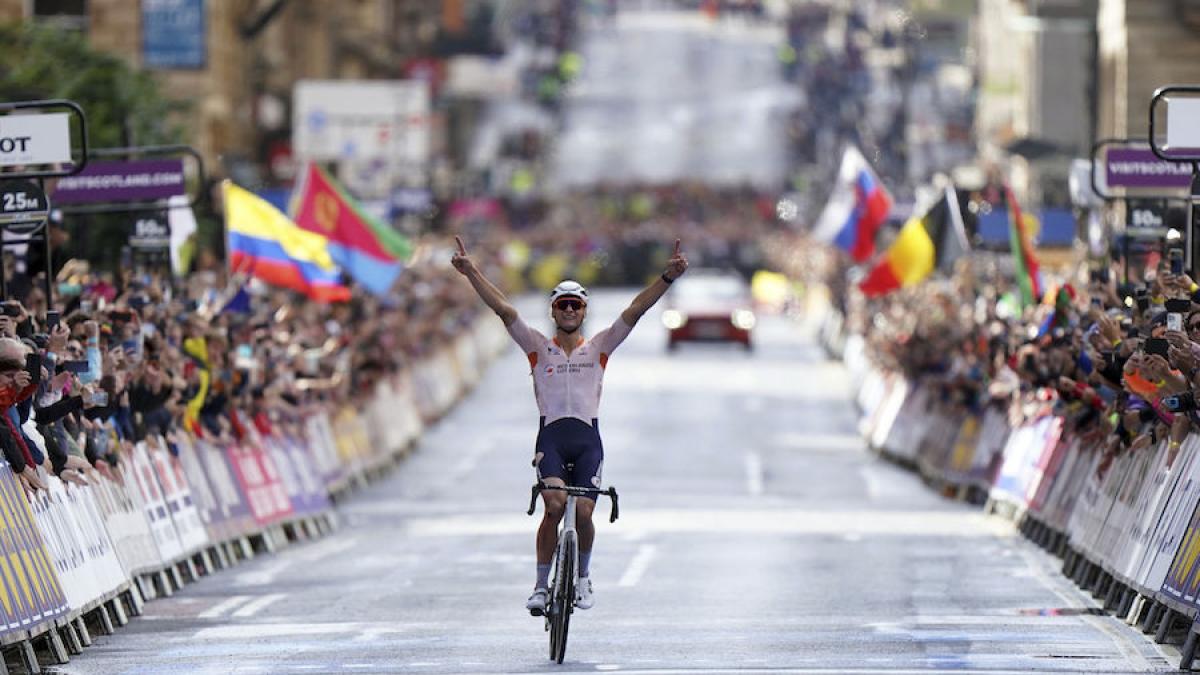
x=107, y=471
x=59, y=381
x=30, y=479
x=1177, y=339
x=73, y=476
x=58, y=339
x=1109, y=328
x=1183, y=359
x=91, y=329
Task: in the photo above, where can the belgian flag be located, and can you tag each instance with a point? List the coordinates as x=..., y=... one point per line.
x=932, y=241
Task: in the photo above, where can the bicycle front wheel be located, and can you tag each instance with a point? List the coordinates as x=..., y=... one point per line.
x=564, y=603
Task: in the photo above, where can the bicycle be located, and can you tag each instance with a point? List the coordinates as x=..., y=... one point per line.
x=566, y=564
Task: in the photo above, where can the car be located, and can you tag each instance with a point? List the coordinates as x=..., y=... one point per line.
x=709, y=306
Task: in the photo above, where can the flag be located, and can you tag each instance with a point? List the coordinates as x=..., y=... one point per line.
x=1025, y=265
x=932, y=242
x=369, y=251
x=857, y=208
x=239, y=303
x=265, y=244
x=182, y=221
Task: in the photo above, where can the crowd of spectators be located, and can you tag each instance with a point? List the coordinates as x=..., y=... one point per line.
x=1120, y=362
x=619, y=235
x=122, y=357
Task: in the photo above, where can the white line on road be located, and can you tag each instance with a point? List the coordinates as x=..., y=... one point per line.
x=637, y=566
x=754, y=474
x=258, y=605
x=223, y=607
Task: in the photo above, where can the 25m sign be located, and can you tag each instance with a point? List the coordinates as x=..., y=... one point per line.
x=22, y=201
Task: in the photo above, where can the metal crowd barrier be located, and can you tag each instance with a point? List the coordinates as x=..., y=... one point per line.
x=1127, y=527
x=80, y=559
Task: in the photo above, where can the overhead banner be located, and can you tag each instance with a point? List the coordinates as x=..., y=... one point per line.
x=106, y=182
x=361, y=120
x=1141, y=168
x=35, y=139
x=173, y=34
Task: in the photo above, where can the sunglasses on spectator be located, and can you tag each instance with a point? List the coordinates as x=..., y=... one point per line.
x=568, y=303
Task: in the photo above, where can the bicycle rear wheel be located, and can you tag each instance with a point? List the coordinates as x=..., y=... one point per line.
x=564, y=603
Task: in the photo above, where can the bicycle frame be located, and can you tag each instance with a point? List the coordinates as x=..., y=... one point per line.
x=566, y=564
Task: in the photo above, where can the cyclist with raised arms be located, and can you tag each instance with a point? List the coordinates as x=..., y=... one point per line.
x=567, y=374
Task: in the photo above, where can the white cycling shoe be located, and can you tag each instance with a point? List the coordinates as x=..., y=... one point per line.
x=583, y=594
x=537, y=602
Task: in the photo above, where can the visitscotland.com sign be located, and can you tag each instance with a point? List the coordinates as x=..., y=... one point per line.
x=1138, y=168
x=105, y=182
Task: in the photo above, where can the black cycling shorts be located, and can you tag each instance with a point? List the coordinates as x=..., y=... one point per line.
x=570, y=441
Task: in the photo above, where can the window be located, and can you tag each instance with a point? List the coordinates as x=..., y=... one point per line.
x=67, y=14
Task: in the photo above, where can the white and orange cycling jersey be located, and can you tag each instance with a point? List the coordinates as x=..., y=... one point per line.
x=568, y=386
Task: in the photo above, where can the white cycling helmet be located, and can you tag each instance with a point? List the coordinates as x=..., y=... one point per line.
x=568, y=288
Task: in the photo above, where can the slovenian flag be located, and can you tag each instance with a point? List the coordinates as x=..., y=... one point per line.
x=857, y=208
x=268, y=246
x=933, y=241
x=370, y=252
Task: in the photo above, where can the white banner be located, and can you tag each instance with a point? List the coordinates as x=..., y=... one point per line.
x=35, y=139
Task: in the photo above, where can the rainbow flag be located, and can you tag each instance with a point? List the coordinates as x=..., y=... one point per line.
x=266, y=245
x=933, y=241
x=1025, y=264
x=369, y=251
x=857, y=208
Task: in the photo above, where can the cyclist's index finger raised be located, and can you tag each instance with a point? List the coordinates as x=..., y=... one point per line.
x=676, y=247
x=462, y=250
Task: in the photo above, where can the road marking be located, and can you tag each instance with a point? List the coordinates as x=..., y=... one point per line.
x=264, y=575
x=754, y=474
x=223, y=607
x=637, y=566
x=258, y=605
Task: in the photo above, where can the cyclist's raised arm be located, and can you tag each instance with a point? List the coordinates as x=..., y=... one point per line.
x=676, y=266
x=491, y=295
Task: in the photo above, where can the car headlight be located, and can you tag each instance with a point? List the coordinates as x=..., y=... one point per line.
x=743, y=319
x=673, y=319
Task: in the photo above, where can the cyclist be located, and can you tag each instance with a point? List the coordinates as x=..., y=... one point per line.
x=567, y=373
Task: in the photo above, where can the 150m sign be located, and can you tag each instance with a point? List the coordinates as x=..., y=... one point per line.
x=22, y=201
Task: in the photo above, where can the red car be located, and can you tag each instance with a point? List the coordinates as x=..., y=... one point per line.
x=709, y=306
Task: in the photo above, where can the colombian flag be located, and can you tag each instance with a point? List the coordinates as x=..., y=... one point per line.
x=857, y=208
x=924, y=244
x=265, y=244
x=369, y=251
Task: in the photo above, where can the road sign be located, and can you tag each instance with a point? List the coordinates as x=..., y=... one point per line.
x=22, y=201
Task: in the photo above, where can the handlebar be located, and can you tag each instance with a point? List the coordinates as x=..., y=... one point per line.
x=578, y=492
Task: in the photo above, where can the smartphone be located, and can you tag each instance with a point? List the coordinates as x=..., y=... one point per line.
x=1175, y=255
x=52, y=318
x=97, y=398
x=1176, y=308
x=10, y=309
x=85, y=306
x=33, y=366
x=121, y=314
x=76, y=367
x=1157, y=346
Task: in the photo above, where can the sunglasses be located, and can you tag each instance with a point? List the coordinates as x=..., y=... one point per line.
x=1194, y=325
x=568, y=303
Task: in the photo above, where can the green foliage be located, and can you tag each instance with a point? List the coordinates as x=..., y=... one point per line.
x=123, y=105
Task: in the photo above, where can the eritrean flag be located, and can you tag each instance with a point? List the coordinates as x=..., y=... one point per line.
x=1025, y=265
x=370, y=252
x=857, y=208
x=266, y=245
x=933, y=241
